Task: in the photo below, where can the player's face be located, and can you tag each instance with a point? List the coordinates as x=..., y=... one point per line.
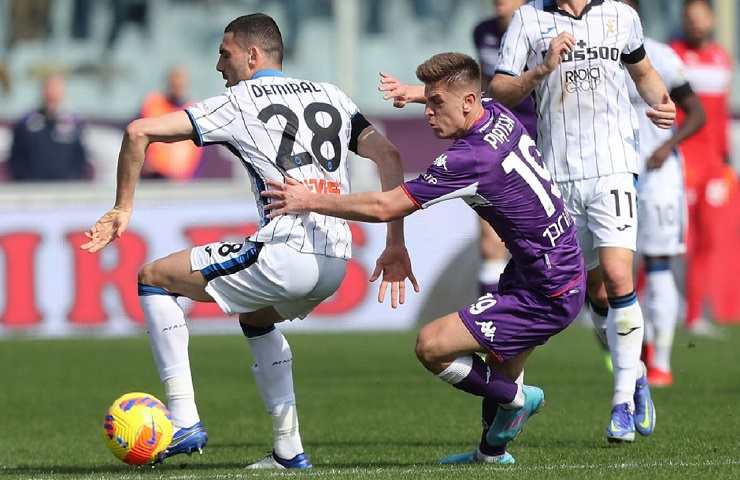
x=506, y=8
x=233, y=60
x=445, y=110
x=698, y=22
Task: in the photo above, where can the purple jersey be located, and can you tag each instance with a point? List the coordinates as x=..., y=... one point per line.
x=498, y=171
x=487, y=37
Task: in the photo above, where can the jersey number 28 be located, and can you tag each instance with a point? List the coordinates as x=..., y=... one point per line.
x=321, y=134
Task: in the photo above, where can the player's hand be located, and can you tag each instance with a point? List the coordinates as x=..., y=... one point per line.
x=663, y=114
x=395, y=266
x=109, y=227
x=290, y=197
x=658, y=158
x=559, y=46
x=394, y=90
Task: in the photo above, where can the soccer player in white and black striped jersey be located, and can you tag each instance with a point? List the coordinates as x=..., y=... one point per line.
x=576, y=55
x=278, y=127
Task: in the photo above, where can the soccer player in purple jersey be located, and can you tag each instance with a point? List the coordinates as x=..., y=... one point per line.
x=494, y=166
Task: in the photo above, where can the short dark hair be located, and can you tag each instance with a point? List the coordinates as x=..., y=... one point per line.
x=450, y=68
x=260, y=30
x=688, y=3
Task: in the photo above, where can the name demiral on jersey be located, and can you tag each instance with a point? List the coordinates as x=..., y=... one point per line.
x=288, y=88
x=589, y=78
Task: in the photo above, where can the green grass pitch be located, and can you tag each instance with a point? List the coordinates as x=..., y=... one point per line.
x=367, y=410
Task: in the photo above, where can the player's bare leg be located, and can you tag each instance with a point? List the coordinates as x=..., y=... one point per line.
x=273, y=374
x=446, y=348
x=631, y=404
x=160, y=283
x=493, y=257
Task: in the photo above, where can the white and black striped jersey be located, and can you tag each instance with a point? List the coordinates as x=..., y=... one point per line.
x=586, y=123
x=279, y=126
x=670, y=68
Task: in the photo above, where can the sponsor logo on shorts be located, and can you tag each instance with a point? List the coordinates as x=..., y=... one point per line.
x=624, y=227
x=487, y=329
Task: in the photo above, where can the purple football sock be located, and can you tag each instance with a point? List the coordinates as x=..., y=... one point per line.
x=488, y=413
x=485, y=382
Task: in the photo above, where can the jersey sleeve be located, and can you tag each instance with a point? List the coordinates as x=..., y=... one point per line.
x=357, y=119
x=634, y=48
x=212, y=119
x=514, y=47
x=451, y=175
x=671, y=69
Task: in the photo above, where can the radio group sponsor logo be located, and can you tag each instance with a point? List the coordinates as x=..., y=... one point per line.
x=582, y=79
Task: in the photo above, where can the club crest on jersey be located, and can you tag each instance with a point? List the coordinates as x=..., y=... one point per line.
x=611, y=27
x=441, y=161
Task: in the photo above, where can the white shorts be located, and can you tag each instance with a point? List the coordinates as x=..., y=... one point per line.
x=246, y=277
x=605, y=213
x=661, y=209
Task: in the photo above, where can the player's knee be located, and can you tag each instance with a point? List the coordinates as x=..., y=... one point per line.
x=618, y=280
x=427, y=348
x=148, y=275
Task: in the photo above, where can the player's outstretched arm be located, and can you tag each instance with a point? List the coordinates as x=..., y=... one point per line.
x=511, y=90
x=292, y=197
x=400, y=93
x=172, y=127
x=394, y=263
x=662, y=111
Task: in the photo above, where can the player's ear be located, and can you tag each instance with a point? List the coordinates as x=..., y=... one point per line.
x=254, y=55
x=469, y=101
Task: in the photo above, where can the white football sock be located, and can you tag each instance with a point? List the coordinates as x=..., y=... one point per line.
x=491, y=270
x=168, y=337
x=181, y=401
x=625, y=330
x=273, y=373
x=662, y=308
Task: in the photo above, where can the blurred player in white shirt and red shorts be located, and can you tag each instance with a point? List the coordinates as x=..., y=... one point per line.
x=708, y=177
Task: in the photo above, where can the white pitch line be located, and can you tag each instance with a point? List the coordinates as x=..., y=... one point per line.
x=426, y=470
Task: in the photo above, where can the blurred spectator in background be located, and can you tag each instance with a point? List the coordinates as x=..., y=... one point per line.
x=172, y=161
x=27, y=20
x=438, y=14
x=708, y=177
x=47, y=142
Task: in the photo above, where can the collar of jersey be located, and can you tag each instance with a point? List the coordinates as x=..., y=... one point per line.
x=267, y=72
x=552, y=6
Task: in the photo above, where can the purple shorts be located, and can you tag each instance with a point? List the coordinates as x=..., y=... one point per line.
x=516, y=319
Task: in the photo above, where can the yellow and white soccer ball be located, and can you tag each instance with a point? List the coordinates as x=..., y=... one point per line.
x=137, y=427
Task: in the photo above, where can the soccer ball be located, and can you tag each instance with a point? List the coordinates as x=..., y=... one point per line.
x=137, y=427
